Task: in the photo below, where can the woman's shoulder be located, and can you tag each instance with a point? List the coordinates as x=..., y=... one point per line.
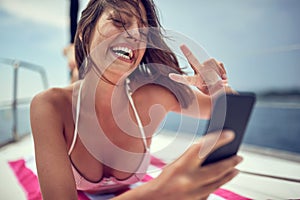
x=156, y=94
x=53, y=99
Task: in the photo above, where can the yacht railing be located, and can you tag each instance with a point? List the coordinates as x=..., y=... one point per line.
x=16, y=65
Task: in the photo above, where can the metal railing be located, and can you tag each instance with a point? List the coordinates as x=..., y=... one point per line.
x=17, y=64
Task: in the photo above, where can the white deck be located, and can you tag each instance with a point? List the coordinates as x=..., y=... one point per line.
x=246, y=185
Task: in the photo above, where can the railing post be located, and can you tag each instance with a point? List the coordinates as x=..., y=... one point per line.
x=16, y=65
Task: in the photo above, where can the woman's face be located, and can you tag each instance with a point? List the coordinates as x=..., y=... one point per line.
x=119, y=41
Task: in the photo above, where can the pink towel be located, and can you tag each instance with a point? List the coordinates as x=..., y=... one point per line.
x=29, y=182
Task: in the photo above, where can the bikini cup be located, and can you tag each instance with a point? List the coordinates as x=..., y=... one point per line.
x=110, y=183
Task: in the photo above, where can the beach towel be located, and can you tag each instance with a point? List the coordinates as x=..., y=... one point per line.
x=26, y=173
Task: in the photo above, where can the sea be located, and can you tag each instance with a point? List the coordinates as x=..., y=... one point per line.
x=271, y=125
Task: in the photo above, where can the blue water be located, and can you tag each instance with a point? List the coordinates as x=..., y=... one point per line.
x=277, y=128
x=271, y=127
x=6, y=123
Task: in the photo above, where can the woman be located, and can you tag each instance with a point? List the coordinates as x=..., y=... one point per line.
x=95, y=134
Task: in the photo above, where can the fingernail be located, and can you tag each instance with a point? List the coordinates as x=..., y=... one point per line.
x=183, y=46
x=228, y=134
x=184, y=49
x=240, y=159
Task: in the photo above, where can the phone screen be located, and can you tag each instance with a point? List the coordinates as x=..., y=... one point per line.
x=230, y=111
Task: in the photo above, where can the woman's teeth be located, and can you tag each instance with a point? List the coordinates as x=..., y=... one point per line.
x=123, y=52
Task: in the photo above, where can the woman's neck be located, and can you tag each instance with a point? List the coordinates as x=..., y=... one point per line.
x=109, y=95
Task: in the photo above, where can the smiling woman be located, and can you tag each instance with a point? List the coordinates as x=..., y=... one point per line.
x=95, y=134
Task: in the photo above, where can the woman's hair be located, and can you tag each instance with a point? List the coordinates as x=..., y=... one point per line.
x=158, y=60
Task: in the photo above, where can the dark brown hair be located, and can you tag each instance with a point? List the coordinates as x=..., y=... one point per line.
x=158, y=57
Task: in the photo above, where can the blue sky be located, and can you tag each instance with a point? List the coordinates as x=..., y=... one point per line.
x=258, y=41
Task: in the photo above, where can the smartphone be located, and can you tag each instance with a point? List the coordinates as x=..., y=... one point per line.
x=230, y=111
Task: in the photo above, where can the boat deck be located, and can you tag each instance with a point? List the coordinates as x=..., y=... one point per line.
x=251, y=186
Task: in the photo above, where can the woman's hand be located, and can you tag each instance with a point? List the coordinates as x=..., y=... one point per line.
x=185, y=178
x=209, y=77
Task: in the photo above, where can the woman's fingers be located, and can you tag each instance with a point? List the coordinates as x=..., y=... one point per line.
x=212, y=89
x=203, y=192
x=213, y=141
x=215, y=171
x=199, y=83
x=195, y=64
x=215, y=185
x=215, y=66
x=192, y=181
x=198, y=67
x=206, y=76
x=184, y=79
x=210, y=142
x=224, y=74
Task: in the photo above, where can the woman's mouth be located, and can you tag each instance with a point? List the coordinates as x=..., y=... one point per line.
x=124, y=53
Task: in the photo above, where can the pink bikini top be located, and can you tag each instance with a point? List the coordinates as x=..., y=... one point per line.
x=106, y=185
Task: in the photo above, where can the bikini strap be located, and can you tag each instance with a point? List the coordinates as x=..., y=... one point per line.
x=129, y=93
x=76, y=120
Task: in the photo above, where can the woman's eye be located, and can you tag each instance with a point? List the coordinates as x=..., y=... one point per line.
x=118, y=22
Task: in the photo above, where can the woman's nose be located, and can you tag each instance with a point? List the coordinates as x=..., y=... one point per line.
x=134, y=33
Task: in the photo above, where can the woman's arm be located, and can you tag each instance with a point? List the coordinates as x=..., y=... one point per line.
x=201, y=107
x=185, y=178
x=53, y=165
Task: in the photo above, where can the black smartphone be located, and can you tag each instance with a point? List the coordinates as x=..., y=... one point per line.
x=230, y=111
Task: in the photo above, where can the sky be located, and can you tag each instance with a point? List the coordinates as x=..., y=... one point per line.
x=258, y=41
